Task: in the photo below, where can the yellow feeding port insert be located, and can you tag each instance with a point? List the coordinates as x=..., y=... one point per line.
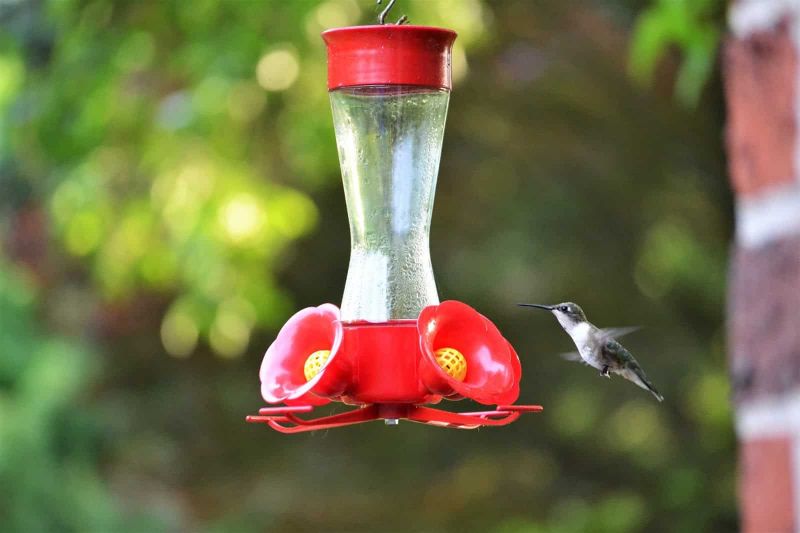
x=314, y=363
x=452, y=362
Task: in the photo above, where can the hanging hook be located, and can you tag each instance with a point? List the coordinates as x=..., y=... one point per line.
x=382, y=15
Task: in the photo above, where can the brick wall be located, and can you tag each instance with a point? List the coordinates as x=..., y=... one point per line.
x=762, y=85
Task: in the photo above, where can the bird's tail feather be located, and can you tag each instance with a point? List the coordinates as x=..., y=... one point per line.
x=637, y=375
x=653, y=391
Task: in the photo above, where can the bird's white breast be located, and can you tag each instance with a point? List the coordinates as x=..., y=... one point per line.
x=582, y=336
x=580, y=333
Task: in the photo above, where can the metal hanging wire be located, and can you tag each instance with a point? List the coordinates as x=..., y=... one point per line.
x=382, y=14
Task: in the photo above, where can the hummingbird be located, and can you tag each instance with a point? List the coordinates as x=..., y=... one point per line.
x=597, y=347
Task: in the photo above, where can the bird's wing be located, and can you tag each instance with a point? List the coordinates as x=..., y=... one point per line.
x=616, y=353
x=628, y=367
x=572, y=356
x=615, y=333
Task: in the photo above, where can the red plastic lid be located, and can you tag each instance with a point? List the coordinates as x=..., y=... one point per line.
x=390, y=54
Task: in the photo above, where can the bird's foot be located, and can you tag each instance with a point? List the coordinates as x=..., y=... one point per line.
x=604, y=372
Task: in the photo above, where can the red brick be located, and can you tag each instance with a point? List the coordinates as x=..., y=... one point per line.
x=760, y=73
x=765, y=486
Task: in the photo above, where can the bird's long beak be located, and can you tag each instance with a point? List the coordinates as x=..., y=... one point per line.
x=538, y=306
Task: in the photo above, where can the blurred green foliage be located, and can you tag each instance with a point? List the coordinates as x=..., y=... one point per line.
x=48, y=476
x=170, y=194
x=694, y=27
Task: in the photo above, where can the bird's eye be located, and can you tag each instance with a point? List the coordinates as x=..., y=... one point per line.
x=565, y=308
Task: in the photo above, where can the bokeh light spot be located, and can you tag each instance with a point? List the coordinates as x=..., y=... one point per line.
x=242, y=217
x=637, y=427
x=84, y=231
x=292, y=213
x=575, y=412
x=179, y=333
x=175, y=111
x=159, y=267
x=230, y=333
x=245, y=101
x=466, y=17
x=277, y=70
x=459, y=66
x=331, y=14
x=709, y=399
x=12, y=72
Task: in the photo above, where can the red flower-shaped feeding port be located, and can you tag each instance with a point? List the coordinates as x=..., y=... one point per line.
x=389, y=369
x=493, y=369
x=282, y=372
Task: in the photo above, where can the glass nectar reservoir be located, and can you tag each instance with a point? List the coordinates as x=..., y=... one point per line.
x=389, y=137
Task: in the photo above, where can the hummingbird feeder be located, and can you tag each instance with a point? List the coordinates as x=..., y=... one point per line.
x=392, y=348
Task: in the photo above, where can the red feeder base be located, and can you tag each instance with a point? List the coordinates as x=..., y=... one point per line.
x=390, y=370
x=286, y=420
